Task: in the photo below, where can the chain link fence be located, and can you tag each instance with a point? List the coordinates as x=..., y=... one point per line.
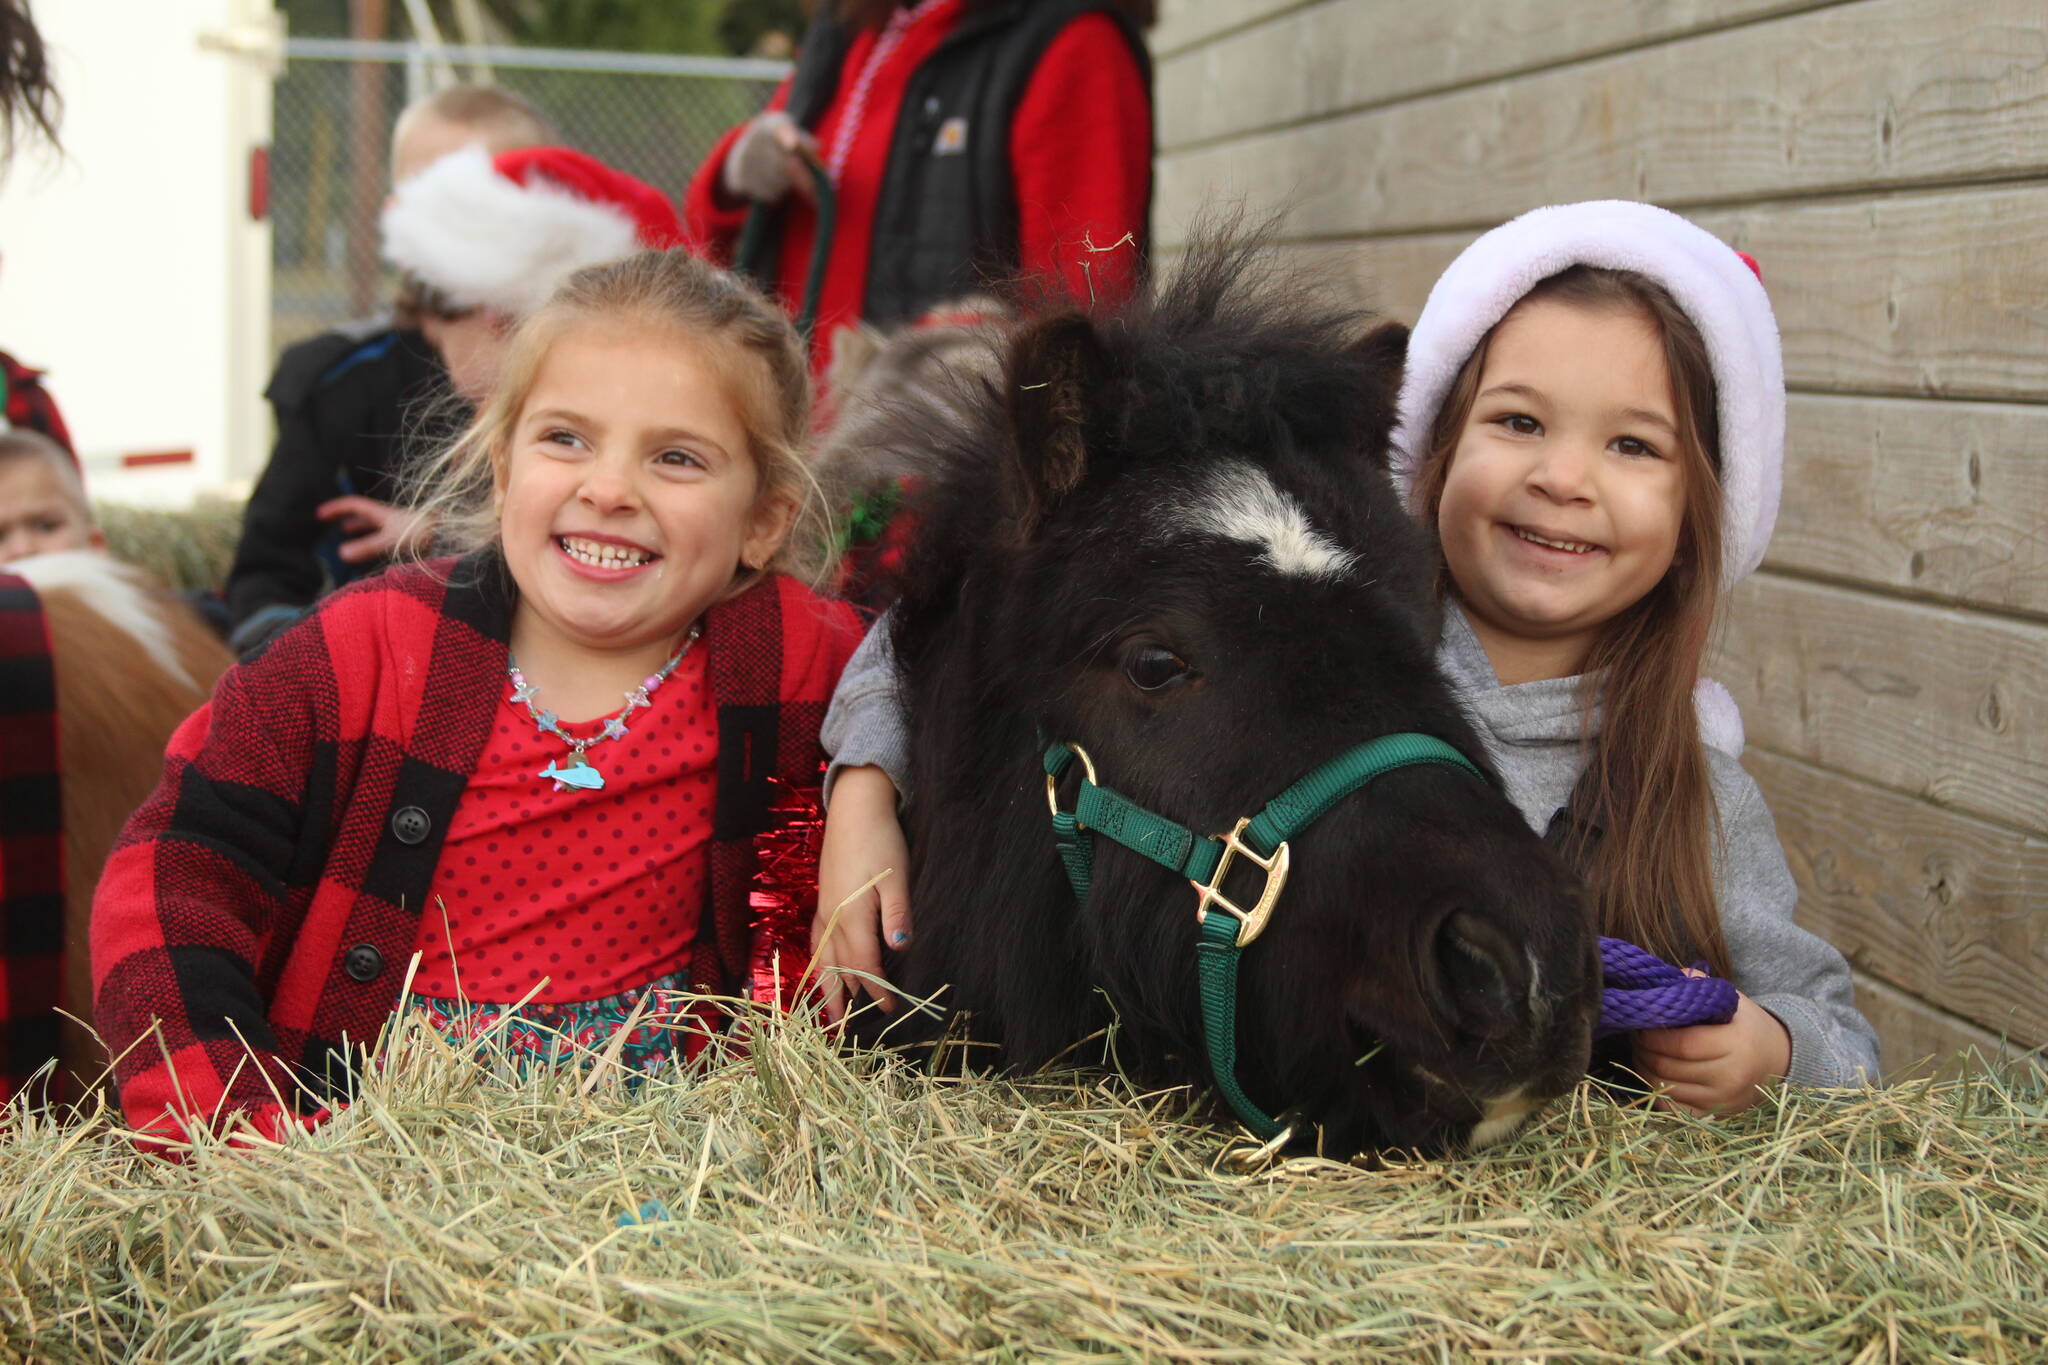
x=653, y=116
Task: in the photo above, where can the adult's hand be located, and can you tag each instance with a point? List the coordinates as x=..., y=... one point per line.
x=375, y=529
x=767, y=160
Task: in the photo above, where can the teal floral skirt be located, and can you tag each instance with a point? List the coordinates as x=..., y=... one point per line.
x=538, y=1034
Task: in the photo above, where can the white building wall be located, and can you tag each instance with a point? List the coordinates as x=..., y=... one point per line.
x=130, y=267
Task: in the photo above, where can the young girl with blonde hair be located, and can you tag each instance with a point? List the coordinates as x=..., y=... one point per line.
x=438, y=760
x=1593, y=424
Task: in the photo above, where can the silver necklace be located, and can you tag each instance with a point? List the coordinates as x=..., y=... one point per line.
x=577, y=770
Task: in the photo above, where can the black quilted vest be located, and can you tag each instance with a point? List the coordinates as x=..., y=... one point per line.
x=946, y=218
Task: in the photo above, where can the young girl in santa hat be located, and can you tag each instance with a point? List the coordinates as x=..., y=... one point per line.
x=1593, y=420
x=1593, y=423
x=438, y=760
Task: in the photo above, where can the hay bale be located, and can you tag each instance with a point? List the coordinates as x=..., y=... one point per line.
x=184, y=549
x=810, y=1204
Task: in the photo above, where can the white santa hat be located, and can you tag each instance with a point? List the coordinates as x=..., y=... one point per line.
x=502, y=232
x=1719, y=289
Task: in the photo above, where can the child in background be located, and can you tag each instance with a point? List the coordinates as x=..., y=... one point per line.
x=485, y=239
x=349, y=400
x=443, y=123
x=437, y=760
x=1593, y=423
x=43, y=509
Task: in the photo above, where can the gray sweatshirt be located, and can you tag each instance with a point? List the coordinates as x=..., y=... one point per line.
x=1532, y=732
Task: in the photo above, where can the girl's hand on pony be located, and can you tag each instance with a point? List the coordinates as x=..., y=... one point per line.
x=1715, y=1068
x=863, y=839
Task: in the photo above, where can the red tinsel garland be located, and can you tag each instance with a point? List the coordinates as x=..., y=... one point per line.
x=785, y=895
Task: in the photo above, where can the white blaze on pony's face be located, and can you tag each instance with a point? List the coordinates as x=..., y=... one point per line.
x=629, y=498
x=1565, y=495
x=1237, y=501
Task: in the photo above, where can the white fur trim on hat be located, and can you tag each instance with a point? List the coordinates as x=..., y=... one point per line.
x=1716, y=288
x=1720, y=718
x=487, y=241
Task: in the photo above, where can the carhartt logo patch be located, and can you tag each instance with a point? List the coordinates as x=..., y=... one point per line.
x=952, y=137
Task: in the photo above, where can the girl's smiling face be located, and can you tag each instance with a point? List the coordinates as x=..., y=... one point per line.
x=1565, y=496
x=629, y=497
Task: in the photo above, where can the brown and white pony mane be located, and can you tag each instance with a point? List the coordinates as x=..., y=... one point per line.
x=130, y=663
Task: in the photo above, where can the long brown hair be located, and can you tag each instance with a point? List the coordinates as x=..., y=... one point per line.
x=763, y=363
x=1645, y=824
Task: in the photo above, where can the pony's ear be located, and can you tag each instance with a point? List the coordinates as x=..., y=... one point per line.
x=1385, y=348
x=1054, y=365
x=1384, y=352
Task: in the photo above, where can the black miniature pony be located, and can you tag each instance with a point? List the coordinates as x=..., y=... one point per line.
x=1169, y=537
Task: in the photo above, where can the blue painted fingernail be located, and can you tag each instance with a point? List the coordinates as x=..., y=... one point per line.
x=899, y=938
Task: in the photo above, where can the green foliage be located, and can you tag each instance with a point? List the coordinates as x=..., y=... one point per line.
x=744, y=23
x=316, y=18
x=706, y=26
x=609, y=25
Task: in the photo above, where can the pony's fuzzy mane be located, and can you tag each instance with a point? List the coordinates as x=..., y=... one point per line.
x=1166, y=536
x=1232, y=352
x=1235, y=348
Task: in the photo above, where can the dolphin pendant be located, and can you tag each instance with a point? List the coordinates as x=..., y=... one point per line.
x=580, y=775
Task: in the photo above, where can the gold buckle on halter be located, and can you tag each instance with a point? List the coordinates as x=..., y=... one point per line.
x=1251, y=923
x=1052, y=784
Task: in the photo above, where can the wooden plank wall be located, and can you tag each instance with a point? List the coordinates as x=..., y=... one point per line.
x=1887, y=161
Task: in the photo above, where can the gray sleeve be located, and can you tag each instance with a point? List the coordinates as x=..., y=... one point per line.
x=1798, y=976
x=865, y=724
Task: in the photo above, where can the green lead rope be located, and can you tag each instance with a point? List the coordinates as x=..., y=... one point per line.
x=749, y=255
x=1100, y=810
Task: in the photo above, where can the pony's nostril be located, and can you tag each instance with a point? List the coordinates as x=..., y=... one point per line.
x=1483, y=974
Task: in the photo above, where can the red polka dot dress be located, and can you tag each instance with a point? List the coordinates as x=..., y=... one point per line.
x=573, y=895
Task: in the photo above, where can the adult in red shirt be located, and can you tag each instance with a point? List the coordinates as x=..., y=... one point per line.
x=966, y=141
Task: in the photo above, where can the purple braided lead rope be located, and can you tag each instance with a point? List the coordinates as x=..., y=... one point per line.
x=1642, y=990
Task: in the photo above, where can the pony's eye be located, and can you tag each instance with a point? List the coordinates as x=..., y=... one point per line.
x=1152, y=668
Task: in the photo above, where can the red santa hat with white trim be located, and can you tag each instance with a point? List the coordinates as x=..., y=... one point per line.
x=502, y=232
x=1720, y=289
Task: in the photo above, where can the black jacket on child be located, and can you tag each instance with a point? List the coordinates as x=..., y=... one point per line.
x=350, y=405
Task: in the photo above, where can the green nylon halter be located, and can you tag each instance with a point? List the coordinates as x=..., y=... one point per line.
x=1203, y=859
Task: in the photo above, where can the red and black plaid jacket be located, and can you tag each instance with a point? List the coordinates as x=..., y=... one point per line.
x=260, y=908
x=31, y=841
